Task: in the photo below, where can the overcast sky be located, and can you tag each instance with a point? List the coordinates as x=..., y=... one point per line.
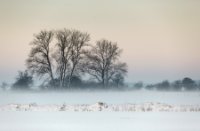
x=160, y=38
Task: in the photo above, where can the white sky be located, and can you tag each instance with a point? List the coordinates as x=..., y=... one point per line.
x=160, y=38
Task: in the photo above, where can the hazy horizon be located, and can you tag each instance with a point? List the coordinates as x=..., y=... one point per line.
x=160, y=39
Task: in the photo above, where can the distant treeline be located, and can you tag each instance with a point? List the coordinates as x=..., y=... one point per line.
x=25, y=81
x=67, y=59
x=62, y=58
x=186, y=84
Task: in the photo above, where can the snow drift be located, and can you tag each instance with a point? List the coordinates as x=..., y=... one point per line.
x=101, y=106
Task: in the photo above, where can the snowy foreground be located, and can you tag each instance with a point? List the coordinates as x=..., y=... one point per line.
x=100, y=106
x=99, y=121
x=86, y=111
x=133, y=101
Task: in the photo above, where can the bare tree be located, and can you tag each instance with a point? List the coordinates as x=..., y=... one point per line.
x=102, y=62
x=70, y=45
x=62, y=54
x=79, y=40
x=70, y=59
x=23, y=81
x=4, y=85
x=118, y=80
x=39, y=60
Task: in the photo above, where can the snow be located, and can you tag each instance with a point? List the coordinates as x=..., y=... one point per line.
x=99, y=121
x=100, y=111
x=91, y=97
x=101, y=106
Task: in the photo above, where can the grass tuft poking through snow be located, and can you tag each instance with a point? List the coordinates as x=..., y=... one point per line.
x=101, y=106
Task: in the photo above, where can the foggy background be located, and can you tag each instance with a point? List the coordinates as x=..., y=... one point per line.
x=160, y=39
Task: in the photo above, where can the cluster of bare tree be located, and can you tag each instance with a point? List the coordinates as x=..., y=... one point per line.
x=62, y=55
x=23, y=80
x=178, y=85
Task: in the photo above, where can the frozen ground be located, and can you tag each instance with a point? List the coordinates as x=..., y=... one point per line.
x=105, y=120
x=98, y=121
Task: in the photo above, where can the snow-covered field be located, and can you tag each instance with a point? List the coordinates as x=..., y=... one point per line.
x=101, y=106
x=98, y=121
x=91, y=97
x=79, y=111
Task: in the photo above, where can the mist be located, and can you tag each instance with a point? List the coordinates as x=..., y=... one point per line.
x=91, y=97
x=73, y=65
